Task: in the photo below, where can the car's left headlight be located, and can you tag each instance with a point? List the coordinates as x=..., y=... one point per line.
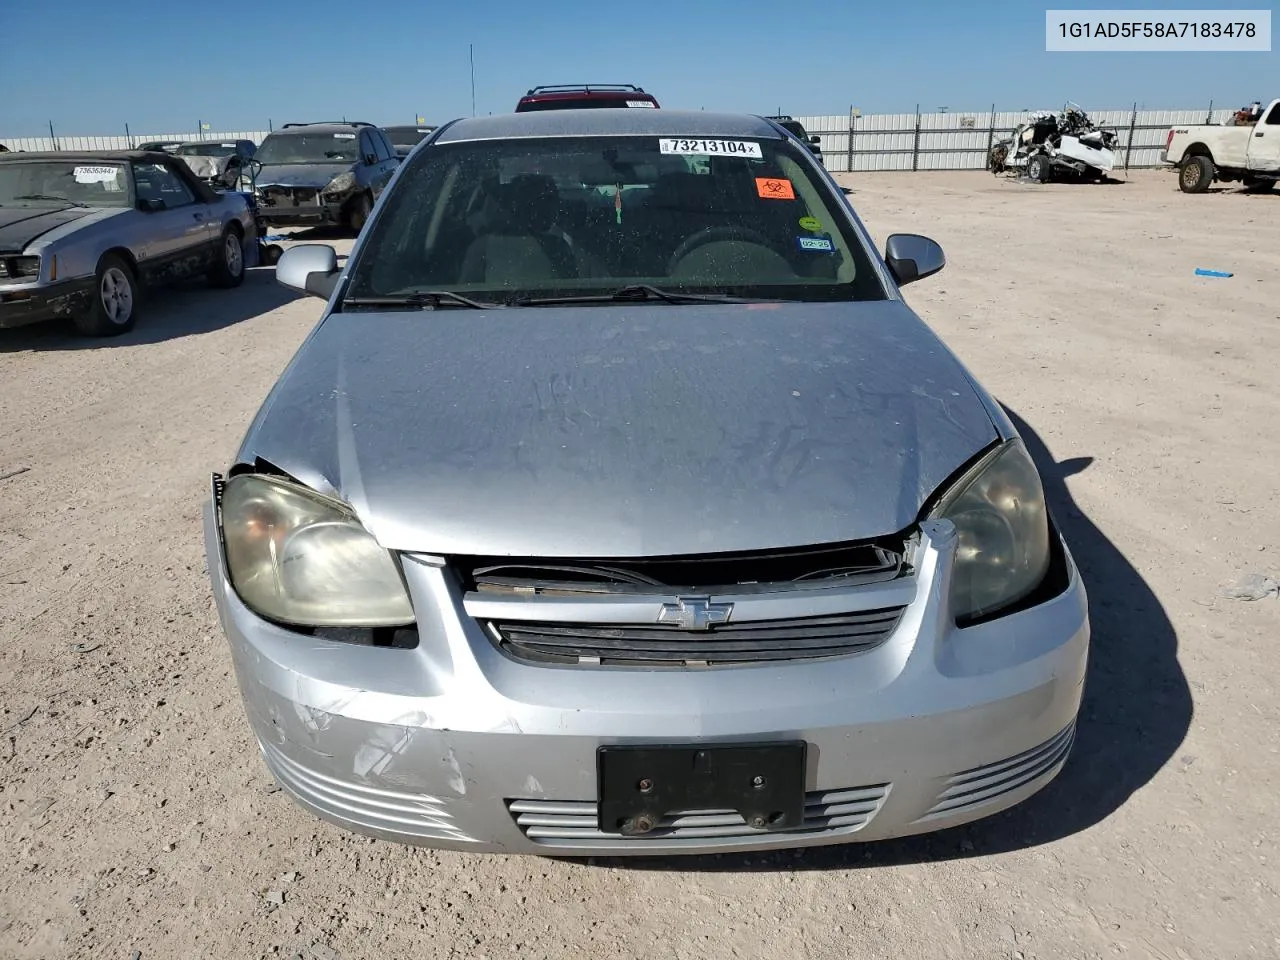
x=1002, y=523
x=297, y=557
x=341, y=183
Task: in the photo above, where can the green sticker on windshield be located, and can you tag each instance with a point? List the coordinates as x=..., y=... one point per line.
x=811, y=223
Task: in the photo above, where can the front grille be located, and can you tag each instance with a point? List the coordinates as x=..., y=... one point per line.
x=981, y=785
x=795, y=638
x=573, y=823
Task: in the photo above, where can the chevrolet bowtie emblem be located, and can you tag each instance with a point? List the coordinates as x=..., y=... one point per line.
x=695, y=613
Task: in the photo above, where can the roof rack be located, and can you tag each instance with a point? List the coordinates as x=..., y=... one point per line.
x=587, y=88
x=332, y=123
x=784, y=116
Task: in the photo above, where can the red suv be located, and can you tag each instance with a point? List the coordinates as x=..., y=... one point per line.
x=579, y=95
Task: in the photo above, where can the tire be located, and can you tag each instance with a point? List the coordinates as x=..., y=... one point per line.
x=116, y=298
x=228, y=269
x=1195, y=174
x=1039, y=169
x=361, y=207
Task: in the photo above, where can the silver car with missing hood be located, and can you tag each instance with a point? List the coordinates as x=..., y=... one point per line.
x=618, y=504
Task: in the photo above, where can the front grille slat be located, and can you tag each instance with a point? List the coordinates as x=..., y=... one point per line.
x=555, y=823
x=794, y=638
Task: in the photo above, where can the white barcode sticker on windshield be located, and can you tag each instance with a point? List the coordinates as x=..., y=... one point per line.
x=711, y=148
x=640, y=103
x=95, y=174
x=344, y=136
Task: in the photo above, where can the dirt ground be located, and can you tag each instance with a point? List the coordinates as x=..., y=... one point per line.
x=139, y=822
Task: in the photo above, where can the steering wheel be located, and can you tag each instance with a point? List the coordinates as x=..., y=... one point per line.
x=716, y=235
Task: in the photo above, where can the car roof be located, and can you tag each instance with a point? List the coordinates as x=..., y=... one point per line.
x=335, y=127
x=593, y=123
x=78, y=156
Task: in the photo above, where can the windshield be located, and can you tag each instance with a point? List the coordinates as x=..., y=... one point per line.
x=407, y=136
x=309, y=148
x=64, y=182
x=206, y=150
x=585, y=216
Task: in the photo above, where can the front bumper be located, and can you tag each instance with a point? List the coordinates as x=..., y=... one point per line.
x=21, y=304
x=453, y=745
x=286, y=212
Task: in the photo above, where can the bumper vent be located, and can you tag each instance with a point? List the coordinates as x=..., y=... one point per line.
x=981, y=785
x=573, y=823
x=797, y=638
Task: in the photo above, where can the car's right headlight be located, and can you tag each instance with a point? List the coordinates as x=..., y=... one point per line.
x=297, y=557
x=1002, y=523
x=341, y=183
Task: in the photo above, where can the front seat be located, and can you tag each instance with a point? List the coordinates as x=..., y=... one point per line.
x=517, y=249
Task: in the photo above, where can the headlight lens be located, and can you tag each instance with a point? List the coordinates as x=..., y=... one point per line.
x=999, y=512
x=20, y=268
x=341, y=183
x=300, y=558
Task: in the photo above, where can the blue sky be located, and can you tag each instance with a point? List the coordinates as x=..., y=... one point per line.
x=164, y=67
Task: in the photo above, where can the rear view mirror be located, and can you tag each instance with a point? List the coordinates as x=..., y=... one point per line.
x=911, y=257
x=310, y=268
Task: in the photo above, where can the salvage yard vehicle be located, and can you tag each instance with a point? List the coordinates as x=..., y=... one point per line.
x=404, y=139
x=312, y=174
x=159, y=146
x=1051, y=145
x=794, y=126
x=1248, y=152
x=597, y=520
x=83, y=234
x=577, y=96
x=218, y=163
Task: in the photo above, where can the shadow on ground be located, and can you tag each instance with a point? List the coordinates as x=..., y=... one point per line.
x=1137, y=710
x=185, y=310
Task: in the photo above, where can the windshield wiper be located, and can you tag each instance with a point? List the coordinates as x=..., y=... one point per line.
x=635, y=293
x=432, y=299
x=45, y=196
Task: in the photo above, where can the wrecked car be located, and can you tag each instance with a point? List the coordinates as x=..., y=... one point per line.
x=1055, y=145
x=83, y=234
x=619, y=504
x=221, y=164
x=313, y=174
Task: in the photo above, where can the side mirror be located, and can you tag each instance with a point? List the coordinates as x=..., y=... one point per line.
x=151, y=205
x=846, y=190
x=815, y=140
x=911, y=257
x=310, y=268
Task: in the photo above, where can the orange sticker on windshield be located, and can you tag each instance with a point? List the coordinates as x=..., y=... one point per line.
x=772, y=189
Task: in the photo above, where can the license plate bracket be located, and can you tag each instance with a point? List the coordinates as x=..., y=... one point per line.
x=640, y=784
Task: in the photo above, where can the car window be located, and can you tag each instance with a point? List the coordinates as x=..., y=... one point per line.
x=504, y=219
x=339, y=147
x=381, y=148
x=56, y=183
x=153, y=181
x=1273, y=118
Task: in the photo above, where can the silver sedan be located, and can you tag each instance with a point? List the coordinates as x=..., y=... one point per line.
x=83, y=234
x=619, y=504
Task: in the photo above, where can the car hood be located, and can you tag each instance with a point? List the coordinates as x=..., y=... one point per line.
x=299, y=174
x=624, y=431
x=20, y=225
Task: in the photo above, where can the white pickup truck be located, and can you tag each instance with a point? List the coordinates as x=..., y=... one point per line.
x=1248, y=152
